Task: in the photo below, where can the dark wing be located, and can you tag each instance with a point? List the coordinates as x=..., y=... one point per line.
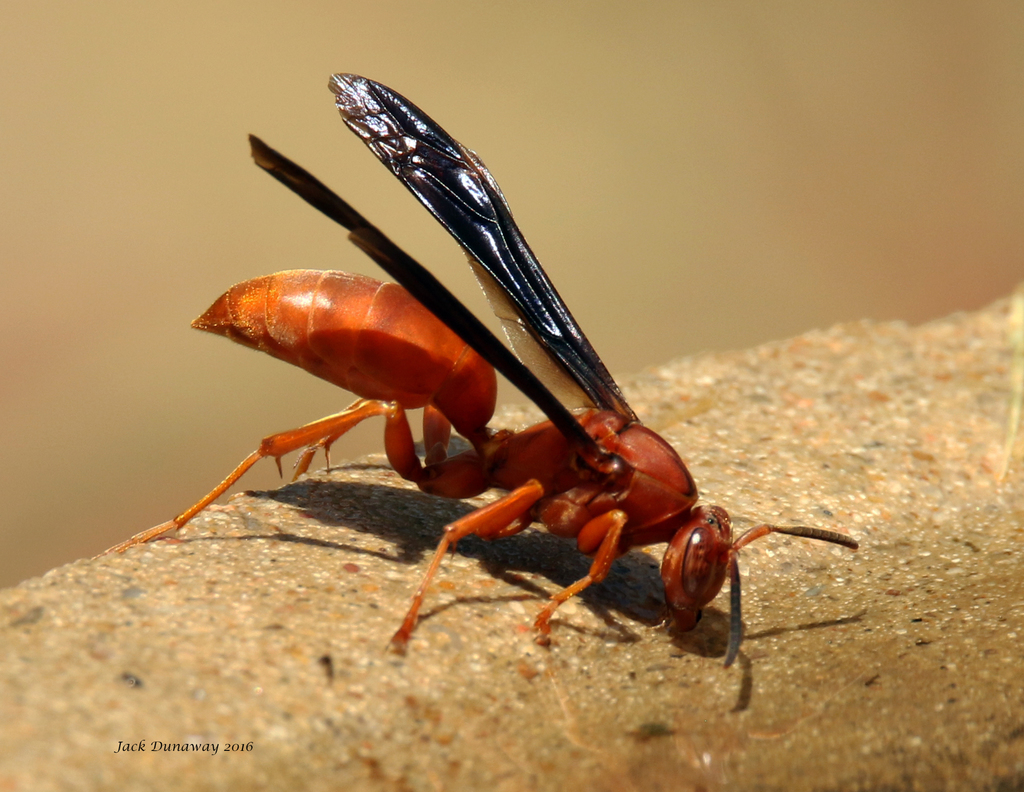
x=452, y=182
x=431, y=293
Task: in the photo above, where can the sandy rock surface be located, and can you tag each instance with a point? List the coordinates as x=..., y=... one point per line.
x=258, y=637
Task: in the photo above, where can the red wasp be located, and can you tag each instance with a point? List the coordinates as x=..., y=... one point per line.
x=590, y=472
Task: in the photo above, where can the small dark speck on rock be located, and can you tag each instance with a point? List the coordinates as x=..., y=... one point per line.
x=327, y=664
x=648, y=731
x=30, y=616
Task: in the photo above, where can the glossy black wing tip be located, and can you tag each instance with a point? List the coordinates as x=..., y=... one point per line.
x=359, y=98
x=344, y=85
x=305, y=185
x=352, y=93
x=374, y=113
x=259, y=151
x=383, y=119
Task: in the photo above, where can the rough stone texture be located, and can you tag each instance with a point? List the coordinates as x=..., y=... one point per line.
x=264, y=625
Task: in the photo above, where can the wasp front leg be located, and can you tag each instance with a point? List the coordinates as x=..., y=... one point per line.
x=610, y=524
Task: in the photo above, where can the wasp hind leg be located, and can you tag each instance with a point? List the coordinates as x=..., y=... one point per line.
x=312, y=436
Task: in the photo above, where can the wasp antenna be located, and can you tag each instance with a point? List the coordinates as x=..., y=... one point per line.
x=820, y=534
x=755, y=533
x=735, y=615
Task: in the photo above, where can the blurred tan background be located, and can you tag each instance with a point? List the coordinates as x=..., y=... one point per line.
x=693, y=175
